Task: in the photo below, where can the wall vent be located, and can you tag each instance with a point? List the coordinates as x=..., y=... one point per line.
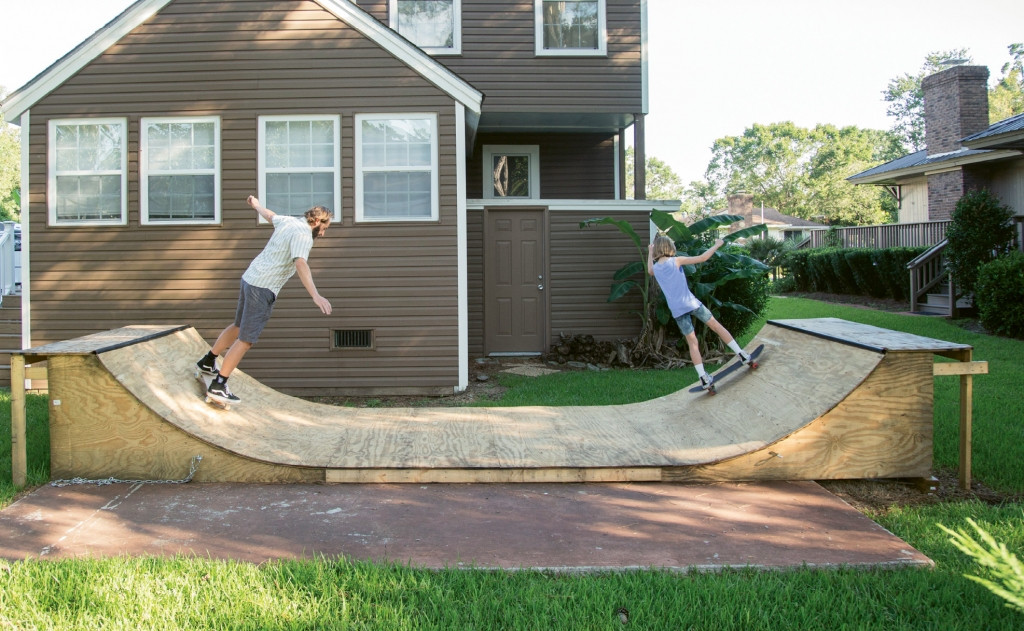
x=353, y=338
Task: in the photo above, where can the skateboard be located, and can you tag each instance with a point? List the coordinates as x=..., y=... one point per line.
x=736, y=365
x=206, y=380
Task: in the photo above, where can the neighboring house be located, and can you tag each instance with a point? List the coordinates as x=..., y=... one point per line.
x=780, y=226
x=460, y=143
x=963, y=152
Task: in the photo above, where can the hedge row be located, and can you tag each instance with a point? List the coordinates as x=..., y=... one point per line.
x=858, y=271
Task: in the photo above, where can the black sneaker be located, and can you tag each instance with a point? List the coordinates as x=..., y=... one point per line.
x=220, y=392
x=207, y=367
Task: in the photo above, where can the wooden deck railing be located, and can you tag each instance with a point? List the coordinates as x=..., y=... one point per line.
x=882, y=236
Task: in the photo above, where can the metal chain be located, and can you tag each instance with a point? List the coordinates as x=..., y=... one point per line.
x=193, y=467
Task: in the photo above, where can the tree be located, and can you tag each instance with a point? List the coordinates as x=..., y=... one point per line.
x=1006, y=99
x=10, y=170
x=802, y=172
x=662, y=182
x=906, y=98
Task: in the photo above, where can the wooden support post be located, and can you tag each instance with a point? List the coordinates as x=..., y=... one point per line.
x=966, y=369
x=19, y=457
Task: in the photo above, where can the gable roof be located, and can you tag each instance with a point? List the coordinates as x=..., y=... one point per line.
x=920, y=163
x=20, y=101
x=1005, y=134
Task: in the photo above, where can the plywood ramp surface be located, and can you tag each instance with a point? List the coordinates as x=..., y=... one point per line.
x=801, y=378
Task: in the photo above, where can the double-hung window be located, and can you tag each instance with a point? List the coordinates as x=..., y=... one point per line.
x=570, y=27
x=179, y=167
x=299, y=166
x=88, y=171
x=396, y=167
x=433, y=25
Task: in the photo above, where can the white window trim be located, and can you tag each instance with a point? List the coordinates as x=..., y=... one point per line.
x=602, y=34
x=456, y=47
x=336, y=169
x=533, y=151
x=51, y=176
x=434, y=202
x=144, y=171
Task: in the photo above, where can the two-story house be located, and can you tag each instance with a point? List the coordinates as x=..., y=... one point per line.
x=459, y=143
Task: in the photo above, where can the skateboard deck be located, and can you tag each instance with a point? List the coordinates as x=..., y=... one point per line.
x=733, y=367
x=205, y=380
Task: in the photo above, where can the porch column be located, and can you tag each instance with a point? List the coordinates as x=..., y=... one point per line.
x=621, y=174
x=639, y=159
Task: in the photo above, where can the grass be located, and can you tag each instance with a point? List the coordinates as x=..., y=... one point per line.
x=195, y=593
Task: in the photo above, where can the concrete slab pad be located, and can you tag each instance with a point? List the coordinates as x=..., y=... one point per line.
x=563, y=527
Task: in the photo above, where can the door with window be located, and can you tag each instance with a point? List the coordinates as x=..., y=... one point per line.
x=515, y=303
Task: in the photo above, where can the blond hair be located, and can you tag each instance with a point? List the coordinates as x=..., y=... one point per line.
x=318, y=215
x=663, y=246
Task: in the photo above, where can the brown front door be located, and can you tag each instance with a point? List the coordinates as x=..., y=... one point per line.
x=515, y=279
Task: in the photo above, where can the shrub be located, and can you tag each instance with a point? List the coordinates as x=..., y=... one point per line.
x=998, y=294
x=865, y=272
x=981, y=230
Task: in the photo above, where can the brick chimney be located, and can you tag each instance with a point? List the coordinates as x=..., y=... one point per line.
x=955, y=106
x=741, y=204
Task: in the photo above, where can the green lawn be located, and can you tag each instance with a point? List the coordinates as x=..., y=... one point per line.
x=188, y=593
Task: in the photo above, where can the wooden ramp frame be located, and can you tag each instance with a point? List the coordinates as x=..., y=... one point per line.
x=832, y=400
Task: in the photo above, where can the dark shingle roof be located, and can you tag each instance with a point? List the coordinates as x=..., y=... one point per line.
x=1014, y=123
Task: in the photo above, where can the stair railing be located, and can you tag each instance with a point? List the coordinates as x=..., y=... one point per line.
x=927, y=271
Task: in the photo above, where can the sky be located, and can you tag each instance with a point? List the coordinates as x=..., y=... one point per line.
x=716, y=67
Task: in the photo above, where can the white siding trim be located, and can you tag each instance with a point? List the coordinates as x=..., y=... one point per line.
x=462, y=240
x=26, y=268
x=344, y=10
x=78, y=58
x=645, y=60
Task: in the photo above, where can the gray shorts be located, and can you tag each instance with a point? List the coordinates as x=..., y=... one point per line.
x=255, y=305
x=686, y=324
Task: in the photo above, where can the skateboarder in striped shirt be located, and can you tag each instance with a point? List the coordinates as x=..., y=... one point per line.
x=286, y=253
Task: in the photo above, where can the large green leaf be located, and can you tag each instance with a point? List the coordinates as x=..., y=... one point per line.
x=746, y=233
x=621, y=289
x=624, y=226
x=630, y=269
x=714, y=221
x=667, y=224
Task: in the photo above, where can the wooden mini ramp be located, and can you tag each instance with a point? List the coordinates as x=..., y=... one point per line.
x=832, y=399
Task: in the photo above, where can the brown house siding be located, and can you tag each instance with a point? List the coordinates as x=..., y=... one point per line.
x=502, y=31
x=582, y=264
x=239, y=60
x=572, y=166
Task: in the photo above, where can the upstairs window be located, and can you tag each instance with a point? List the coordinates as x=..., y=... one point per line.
x=396, y=167
x=179, y=168
x=298, y=163
x=570, y=27
x=88, y=176
x=433, y=25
